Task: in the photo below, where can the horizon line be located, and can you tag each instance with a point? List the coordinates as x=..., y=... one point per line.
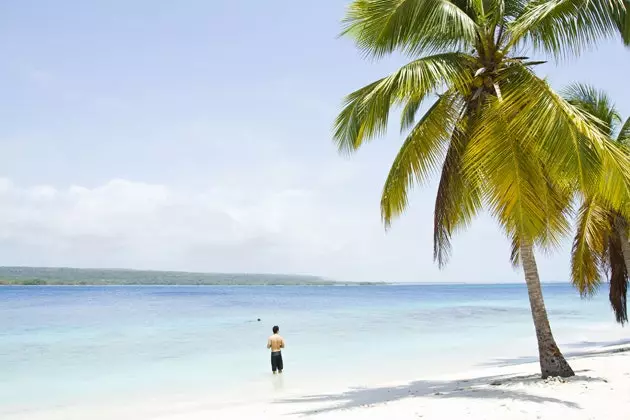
x=320, y=277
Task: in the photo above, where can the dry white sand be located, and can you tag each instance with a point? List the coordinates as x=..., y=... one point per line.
x=600, y=390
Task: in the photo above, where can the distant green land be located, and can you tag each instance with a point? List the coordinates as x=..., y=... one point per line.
x=80, y=276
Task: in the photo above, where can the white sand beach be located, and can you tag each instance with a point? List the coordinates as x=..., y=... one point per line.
x=600, y=390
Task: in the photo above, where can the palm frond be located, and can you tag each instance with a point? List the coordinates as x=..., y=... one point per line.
x=408, y=114
x=514, y=179
x=514, y=9
x=623, y=138
x=380, y=27
x=458, y=197
x=595, y=103
x=531, y=111
x=420, y=154
x=568, y=140
x=598, y=246
x=613, y=183
x=515, y=251
x=567, y=27
x=623, y=22
x=366, y=111
x=556, y=200
x=618, y=277
x=589, y=246
x=618, y=292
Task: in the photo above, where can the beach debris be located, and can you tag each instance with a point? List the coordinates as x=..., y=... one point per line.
x=555, y=380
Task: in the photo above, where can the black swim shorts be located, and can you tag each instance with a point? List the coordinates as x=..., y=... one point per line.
x=276, y=361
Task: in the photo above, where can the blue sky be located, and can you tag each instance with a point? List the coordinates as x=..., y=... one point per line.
x=196, y=135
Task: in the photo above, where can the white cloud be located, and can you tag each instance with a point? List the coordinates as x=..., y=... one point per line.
x=317, y=230
x=131, y=224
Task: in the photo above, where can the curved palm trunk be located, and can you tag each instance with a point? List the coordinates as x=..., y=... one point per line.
x=552, y=362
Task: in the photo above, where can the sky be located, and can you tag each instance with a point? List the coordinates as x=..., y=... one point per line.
x=196, y=135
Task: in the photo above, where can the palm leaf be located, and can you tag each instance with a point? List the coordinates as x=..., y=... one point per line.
x=513, y=178
x=514, y=9
x=618, y=271
x=595, y=103
x=598, y=244
x=568, y=140
x=623, y=138
x=380, y=27
x=515, y=251
x=420, y=154
x=458, y=197
x=408, y=114
x=589, y=246
x=613, y=183
x=366, y=111
x=618, y=286
x=567, y=27
x=556, y=201
x=623, y=23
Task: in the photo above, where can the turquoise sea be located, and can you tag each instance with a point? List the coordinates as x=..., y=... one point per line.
x=61, y=345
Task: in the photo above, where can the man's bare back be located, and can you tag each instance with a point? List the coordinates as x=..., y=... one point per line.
x=276, y=343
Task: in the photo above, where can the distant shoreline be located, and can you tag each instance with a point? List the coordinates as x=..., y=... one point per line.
x=64, y=276
x=4, y=283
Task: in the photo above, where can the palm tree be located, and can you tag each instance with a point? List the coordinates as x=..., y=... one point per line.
x=601, y=241
x=623, y=22
x=500, y=137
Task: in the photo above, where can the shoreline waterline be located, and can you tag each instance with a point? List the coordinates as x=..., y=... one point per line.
x=602, y=372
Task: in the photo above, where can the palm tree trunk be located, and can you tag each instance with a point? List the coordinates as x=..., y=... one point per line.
x=552, y=362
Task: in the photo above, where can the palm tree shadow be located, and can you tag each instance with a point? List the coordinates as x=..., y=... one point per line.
x=606, y=348
x=490, y=387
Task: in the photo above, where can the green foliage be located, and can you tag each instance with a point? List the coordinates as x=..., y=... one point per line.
x=500, y=136
x=566, y=27
x=77, y=276
x=381, y=27
x=622, y=21
x=23, y=282
x=597, y=246
x=420, y=153
x=623, y=138
x=458, y=198
x=366, y=111
x=596, y=104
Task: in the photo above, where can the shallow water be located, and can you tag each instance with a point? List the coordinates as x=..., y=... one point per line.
x=60, y=345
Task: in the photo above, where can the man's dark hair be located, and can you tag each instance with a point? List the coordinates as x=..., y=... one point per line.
x=276, y=329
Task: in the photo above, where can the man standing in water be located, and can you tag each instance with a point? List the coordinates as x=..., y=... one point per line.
x=276, y=343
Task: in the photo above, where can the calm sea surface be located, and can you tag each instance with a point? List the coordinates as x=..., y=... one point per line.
x=60, y=345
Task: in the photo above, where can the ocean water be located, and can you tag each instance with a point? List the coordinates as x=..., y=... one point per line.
x=63, y=345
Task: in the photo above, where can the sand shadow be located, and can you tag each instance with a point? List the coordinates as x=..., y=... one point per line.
x=604, y=350
x=490, y=387
x=600, y=344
